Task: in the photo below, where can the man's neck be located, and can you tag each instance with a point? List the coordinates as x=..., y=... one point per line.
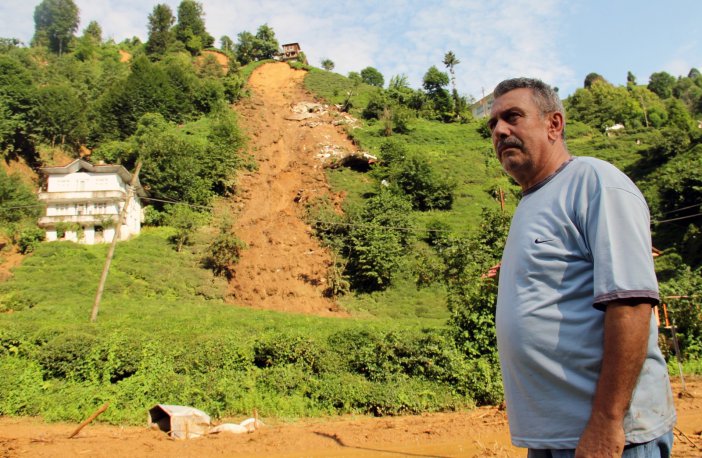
x=555, y=161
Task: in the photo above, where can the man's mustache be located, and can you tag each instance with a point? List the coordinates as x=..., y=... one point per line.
x=509, y=142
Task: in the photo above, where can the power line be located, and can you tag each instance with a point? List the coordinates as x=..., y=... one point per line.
x=678, y=219
x=683, y=208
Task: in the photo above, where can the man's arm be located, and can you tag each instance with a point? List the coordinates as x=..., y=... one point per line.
x=626, y=329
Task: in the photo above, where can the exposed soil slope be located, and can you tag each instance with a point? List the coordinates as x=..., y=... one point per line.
x=284, y=268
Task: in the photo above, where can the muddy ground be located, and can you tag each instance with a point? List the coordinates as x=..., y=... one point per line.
x=481, y=432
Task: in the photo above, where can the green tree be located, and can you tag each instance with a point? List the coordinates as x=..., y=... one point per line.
x=678, y=115
x=88, y=44
x=661, y=83
x=266, y=43
x=327, y=64
x=354, y=77
x=16, y=102
x=472, y=294
x=246, y=47
x=94, y=32
x=630, y=79
x=689, y=91
x=161, y=37
x=434, y=82
x=190, y=28
x=591, y=78
x=60, y=115
x=450, y=61
x=186, y=221
x=372, y=76
x=55, y=23
x=172, y=163
x=17, y=201
x=227, y=44
x=378, y=239
x=603, y=105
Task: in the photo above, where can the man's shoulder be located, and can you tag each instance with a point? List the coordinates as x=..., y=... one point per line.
x=601, y=171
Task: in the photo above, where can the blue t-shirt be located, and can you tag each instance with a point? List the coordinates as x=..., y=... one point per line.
x=578, y=240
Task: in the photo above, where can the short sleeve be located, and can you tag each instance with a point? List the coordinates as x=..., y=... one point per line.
x=618, y=232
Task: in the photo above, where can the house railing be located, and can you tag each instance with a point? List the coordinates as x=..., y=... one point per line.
x=82, y=196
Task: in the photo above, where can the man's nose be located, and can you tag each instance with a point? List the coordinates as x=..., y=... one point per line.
x=500, y=130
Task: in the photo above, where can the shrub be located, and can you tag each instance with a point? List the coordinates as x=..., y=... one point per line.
x=28, y=238
x=281, y=350
x=223, y=253
x=20, y=386
x=67, y=356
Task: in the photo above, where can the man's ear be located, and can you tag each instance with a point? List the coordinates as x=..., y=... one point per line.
x=556, y=123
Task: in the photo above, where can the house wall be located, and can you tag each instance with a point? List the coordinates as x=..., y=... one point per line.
x=85, y=181
x=89, y=199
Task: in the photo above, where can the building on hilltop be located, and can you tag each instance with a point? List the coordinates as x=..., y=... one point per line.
x=291, y=51
x=83, y=202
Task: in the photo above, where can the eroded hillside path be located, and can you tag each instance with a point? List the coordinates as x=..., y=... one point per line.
x=284, y=267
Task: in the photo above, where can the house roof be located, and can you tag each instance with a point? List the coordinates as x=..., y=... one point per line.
x=80, y=164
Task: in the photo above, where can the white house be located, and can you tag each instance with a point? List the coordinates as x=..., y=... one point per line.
x=481, y=108
x=83, y=202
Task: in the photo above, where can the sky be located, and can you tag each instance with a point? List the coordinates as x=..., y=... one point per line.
x=559, y=41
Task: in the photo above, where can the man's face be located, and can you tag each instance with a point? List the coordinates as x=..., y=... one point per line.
x=520, y=135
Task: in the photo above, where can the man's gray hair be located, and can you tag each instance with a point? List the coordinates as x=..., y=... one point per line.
x=545, y=97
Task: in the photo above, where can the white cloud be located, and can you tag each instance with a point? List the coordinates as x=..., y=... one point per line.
x=396, y=36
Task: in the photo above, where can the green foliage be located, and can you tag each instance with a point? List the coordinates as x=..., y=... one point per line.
x=55, y=22
x=434, y=82
x=372, y=77
x=661, y=83
x=327, y=64
x=378, y=238
x=472, y=294
x=190, y=28
x=251, y=48
x=224, y=252
x=27, y=236
x=160, y=34
x=17, y=201
x=185, y=221
x=413, y=176
x=684, y=309
x=16, y=101
x=60, y=117
x=603, y=105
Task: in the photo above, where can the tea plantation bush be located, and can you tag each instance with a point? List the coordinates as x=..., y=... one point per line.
x=62, y=373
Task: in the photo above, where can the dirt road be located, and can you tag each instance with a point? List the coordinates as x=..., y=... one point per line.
x=284, y=268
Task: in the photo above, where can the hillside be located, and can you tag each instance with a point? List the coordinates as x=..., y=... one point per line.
x=283, y=267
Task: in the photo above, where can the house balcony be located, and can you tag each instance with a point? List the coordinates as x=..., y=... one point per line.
x=82, y=197
x=83, y=220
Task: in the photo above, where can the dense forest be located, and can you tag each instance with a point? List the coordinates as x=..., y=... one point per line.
x=431, y=215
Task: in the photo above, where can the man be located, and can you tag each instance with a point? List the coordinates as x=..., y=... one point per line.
x=578, y=345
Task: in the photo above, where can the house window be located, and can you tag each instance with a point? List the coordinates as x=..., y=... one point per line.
x=100, y=208
x=80, y=209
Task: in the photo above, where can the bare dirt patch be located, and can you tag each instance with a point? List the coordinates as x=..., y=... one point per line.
x=478, y=433
x=284, y=267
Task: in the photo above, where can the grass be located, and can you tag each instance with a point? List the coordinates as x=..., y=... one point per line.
x=164, y=335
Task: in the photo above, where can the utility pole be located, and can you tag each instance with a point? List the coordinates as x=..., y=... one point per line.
x=111, y=251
